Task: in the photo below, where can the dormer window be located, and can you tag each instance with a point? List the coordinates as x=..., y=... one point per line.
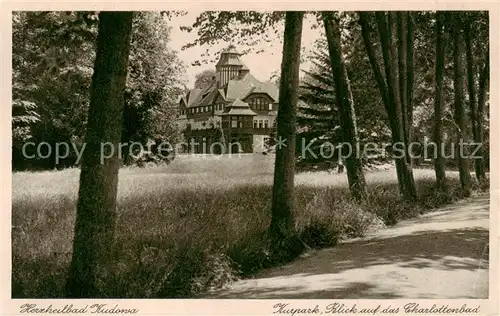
x=259, y=104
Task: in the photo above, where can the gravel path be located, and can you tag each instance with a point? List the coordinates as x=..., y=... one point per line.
x=440, y=255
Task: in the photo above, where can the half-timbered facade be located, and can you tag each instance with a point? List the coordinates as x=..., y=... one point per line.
x=235, y=110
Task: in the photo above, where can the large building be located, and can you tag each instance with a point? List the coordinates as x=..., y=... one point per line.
x=236, y=109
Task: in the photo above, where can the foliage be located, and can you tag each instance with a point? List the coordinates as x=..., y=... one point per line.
x=53, y=56
x=319, y=117
x=153, y=83
x=52, y=62
x=204, y=78
x=242, y=28
x=23, y=115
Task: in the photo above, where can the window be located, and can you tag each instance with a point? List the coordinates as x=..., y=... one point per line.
x=234, y=123
x=260, y=104
x=270, y=106
x=260, y=123
x=266, y=122
x=255, y=123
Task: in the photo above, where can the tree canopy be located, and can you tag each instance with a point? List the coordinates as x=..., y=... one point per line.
x=53, y=55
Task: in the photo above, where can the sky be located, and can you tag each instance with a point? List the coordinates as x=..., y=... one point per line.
x=262, y=65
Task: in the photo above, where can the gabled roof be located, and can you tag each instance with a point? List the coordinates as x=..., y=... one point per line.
x=222, y=94
x=249, y=84
x=238, y=107
x=193, y=96
x=270, y=90
x=209, y=97
x=238, y=87
x=238, y=104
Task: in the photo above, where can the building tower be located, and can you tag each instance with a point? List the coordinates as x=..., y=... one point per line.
x=229, y=66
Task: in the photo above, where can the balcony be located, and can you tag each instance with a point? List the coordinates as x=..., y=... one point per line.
x=238, y=130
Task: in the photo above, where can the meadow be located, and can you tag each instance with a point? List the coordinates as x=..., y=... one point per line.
x=195, y=224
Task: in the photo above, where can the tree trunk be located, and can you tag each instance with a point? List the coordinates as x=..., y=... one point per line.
x=405, y=62
x=405, y=174
x=459, y=113
x=345, y=103
x=483, y=91
x=402, y=60
x=409, y=76
x=438, y=103
x=366, y=31
x=281, y=230
x=96, y=206
x=471, y=86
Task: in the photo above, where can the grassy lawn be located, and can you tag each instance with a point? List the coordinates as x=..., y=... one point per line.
x=194, y=224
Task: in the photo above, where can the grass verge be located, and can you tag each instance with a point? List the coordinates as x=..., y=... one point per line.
x=185, y=240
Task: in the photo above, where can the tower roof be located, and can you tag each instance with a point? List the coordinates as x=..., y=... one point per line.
x=230, y=57
x=231, y=49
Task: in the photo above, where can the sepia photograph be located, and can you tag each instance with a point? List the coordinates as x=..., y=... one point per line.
x=251, y=155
